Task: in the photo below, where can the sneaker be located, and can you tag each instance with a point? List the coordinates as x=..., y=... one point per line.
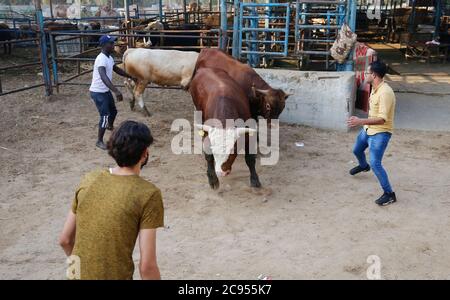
x=358, y=169
x=101, y=145
x=386, y=199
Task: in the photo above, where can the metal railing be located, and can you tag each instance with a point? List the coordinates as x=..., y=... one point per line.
x=80, y=57
x=262, y=38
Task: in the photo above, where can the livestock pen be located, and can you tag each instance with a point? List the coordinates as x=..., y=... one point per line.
x=64, y=33
x=308, y=220
x=19, y=36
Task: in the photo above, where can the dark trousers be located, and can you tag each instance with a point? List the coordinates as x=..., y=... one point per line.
x=106, y=108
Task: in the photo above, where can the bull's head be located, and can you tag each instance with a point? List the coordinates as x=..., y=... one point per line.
x=270, y=102
x=222, y=143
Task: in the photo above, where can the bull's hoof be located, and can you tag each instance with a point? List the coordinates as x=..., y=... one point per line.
x=213, y=182
x=254, y=182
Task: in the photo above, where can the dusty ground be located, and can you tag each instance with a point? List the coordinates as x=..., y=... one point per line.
x=311, y=220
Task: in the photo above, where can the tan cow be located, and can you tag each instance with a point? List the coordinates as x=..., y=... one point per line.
x=60, y=11
x=213, y=21
x=194, y=7
x=121, y=46
x=107, y=11
x=161, y=67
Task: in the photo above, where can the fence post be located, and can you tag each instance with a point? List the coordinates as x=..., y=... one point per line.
x=160, y=10
x=127, y=21
x=184, y=12
x=43, y=48
x=236, y=31
x=223, y=24
x=54, y=61
x=253, y=59
x=437, y=18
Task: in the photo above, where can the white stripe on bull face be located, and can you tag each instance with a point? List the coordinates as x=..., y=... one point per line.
x=222, y=143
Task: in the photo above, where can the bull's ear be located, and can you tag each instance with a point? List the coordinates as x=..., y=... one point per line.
x=203, y=127
x=243, y=130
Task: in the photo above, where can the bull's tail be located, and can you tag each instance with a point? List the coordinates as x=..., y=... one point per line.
x=123, y=67
x=129, y=83
x=124, y=59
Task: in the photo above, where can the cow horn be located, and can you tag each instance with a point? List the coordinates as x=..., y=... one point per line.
x=265, y=92
x=243, y=130
x=203, y=127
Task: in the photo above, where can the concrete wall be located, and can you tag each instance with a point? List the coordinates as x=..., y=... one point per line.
x=321, y=99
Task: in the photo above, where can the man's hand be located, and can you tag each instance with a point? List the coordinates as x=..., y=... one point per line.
x=354, y=121
x=67, y=237
x=108, y=83
x=148, y=266
x=119, y=96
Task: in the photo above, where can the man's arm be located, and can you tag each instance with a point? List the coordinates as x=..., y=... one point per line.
x=108, y=83
x=122, y=72
x=148, y=267
x=386, y=104
x=355, y=121
x=67, y=237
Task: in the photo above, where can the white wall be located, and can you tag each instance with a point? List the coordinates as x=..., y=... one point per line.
x=321, y=99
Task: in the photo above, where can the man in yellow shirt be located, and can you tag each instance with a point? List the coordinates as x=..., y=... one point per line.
x=377, y=130
x=111, y=209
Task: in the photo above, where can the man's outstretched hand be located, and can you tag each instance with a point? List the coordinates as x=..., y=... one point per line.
x=353, y=121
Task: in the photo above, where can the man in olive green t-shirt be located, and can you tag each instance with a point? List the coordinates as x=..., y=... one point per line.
x=111, y=208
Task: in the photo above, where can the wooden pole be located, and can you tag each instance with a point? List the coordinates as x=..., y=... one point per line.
x=160, y=10
x=127, y=20
x=184, y=11
x=51, y=8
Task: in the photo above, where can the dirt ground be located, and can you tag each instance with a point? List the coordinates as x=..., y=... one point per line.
x=311, y=220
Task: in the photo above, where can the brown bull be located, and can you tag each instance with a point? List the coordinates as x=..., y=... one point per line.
x=220, y=98
x=265, y=101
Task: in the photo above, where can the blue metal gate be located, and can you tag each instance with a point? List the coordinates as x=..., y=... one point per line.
x=263, y=31
x=317, y=23
x=260, y=31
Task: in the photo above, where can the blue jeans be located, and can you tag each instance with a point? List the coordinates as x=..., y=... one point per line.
x=377, y=145
x=106, y=108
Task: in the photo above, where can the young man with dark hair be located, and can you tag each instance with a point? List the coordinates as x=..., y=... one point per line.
x=377, y=130
x=112, y=208
x=102, y=86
